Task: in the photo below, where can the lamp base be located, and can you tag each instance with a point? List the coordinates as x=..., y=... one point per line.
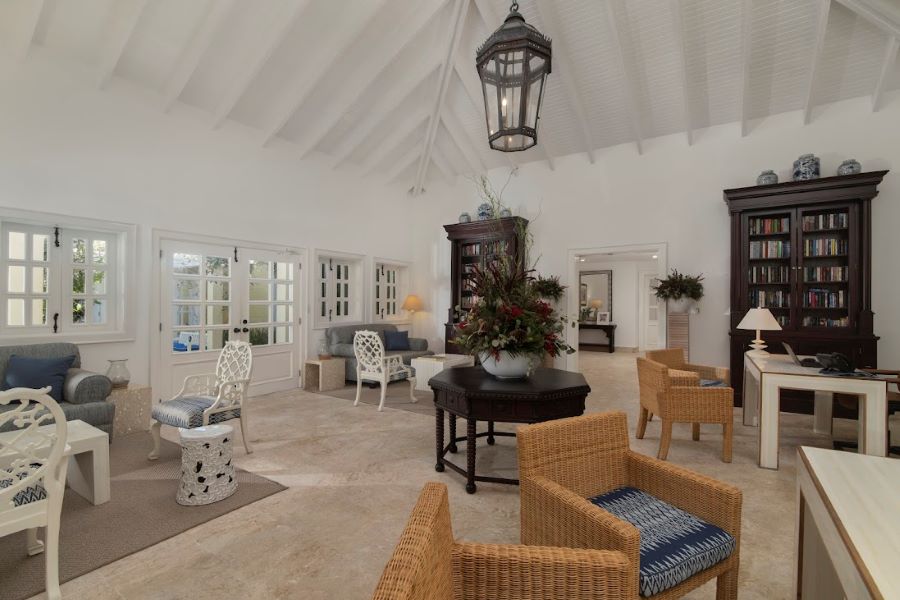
x=759, y=348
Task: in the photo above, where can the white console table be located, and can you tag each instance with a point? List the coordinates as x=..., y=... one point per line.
x=428, y=366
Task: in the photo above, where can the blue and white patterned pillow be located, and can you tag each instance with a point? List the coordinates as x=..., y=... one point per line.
x=674, y=544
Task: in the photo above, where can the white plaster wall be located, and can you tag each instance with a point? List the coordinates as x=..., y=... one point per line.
x=673, y=194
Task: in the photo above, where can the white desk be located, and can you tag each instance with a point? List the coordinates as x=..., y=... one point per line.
x=765, y=377
x=848, y=533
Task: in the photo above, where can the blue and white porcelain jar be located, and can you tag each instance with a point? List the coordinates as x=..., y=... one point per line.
x=806, y=167
x=465, y=218
x=505, y=213
x=768, y=177
x=850, y=166
x=485, y=212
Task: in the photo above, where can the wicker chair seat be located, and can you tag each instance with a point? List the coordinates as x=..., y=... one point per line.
x=674, y=544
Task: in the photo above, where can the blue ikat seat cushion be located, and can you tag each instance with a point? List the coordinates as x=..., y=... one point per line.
x=712, y=383
x=26, y=495
x=674, y=544
x=187, y=412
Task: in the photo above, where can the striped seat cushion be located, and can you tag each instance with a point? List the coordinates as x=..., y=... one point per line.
x=27, y=495
x=187, y=412
x=674, y=544
x=712, y=383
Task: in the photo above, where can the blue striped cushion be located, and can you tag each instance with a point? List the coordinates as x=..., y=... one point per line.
x=26, y=495
x=187, y=412
x=674, y=544
x=712, y=383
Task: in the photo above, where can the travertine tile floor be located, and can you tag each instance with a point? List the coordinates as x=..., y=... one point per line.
x=353, y=474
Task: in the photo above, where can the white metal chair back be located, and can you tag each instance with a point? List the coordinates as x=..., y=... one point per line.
x=369, y=351
x=29, y=455
x=234, y=366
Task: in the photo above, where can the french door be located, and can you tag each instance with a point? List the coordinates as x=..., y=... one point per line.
x=212, y=294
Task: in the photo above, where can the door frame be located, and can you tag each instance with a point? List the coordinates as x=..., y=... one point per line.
x=165, y=235
x=642, y=304
x=662, y=261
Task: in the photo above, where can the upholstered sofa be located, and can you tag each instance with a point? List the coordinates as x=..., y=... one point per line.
x=340, y=343
x=84, y=392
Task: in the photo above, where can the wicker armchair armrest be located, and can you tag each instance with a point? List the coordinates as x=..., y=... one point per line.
x=508, y=572
x=555, y=516
x=683, y=378
x=713, y=501
x=701, y=405
x=720, y=373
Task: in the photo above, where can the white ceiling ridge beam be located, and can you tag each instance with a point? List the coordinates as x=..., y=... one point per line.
x=405, y=161
x=882, y=14
x=124, y=20
x=396, y=44
x=193, y=52
x=818, y=46
x=306, y=85
x=443, y=165
x=677, y=12
x=630, y=91
x=746, y=39
x=384, y=107
x=887, y=67
x=281, y=25
x=29, y=27
x=391, y=142
x=470, y=83
x=463, y=144
x=460, y=10
x=566, y=72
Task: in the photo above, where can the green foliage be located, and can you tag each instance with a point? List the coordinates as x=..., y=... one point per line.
x=677, y=286
x=549, y=287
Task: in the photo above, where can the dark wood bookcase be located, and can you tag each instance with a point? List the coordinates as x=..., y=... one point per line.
x=803, y=250
x=477, y=243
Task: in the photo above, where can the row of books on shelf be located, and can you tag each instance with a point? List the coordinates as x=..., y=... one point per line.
x=770, y=298
x=825, y=247
x=839, y=220
x=818, y=298
x=761, y=226
x=766, y=274
x=810, y=321
x=770, y=249
x=467, y=302
x=824, y=274
x=479, y=248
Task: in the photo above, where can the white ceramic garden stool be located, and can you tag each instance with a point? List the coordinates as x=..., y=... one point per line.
x=207, y=473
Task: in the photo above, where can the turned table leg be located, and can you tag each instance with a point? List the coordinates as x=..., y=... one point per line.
x=452, y=448
x=490, y=439
x=439, y=439
x=470, y=456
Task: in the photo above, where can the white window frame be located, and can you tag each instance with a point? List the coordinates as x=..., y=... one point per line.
x=378, y=287
x=357, y=296
x=119, y=271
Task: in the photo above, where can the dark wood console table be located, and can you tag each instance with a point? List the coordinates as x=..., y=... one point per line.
x=608, y=328
x=474, y=395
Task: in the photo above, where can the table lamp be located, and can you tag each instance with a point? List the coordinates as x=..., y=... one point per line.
x=759, y=319
x=412, y=303
x=596, y=304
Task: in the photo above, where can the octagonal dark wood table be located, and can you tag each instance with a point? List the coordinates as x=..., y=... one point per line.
x=474, y=395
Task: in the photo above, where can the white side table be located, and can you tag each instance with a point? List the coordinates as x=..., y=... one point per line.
x=207, y=473
x=428, y=366
x=133, y=406
x=324, y=375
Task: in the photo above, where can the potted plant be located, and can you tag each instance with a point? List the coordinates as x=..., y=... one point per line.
x=679, y=290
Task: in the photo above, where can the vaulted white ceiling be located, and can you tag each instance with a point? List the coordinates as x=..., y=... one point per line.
x=389, y=87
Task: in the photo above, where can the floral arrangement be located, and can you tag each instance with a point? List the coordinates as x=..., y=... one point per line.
x=549, y=287
x=677, y=286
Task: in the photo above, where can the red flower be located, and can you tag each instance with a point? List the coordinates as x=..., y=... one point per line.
x=515, y=312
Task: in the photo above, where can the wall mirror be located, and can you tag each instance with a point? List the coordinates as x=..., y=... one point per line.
x=595, y=295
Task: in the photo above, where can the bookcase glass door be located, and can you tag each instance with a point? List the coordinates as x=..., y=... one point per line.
x=825, y=260
x=770, y=259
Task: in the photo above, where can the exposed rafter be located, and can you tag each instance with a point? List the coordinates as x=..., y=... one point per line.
x=33, y=11
x=678, y=17
x=887, y=67
x=392, y=142
x=818, y=45
x=463, y=144
x=884, y=14
x=368, y=72
x=746, y=41
x=194, y=50
x=281, y=24
x=566, y=72
x=123, y=19
x=403, y=163
x=304, y=85
x=630, y=89
x=460, y=11
x=383, y=106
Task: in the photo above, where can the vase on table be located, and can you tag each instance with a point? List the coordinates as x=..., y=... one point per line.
x=118, y=373
x=507, y=366
x=680, y=305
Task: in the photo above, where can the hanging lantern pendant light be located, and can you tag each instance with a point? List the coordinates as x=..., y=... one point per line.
x=513, y=65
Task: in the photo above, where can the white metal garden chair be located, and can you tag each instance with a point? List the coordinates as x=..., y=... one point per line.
x=373, y=365
x=210, y=399
x=33, y=473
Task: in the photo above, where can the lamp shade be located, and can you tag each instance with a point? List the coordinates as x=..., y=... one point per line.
x=412, y=303
x=596, y=303
x=759, y=319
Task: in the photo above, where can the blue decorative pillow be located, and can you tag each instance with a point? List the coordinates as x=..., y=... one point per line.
x=396, y=340
x=37, y=373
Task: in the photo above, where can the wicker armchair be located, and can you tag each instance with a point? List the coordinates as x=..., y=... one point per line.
x=676, y=397
x=674, y=359
x=564, y=463
x=428, y=565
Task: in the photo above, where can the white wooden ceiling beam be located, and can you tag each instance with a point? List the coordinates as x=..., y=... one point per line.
x=463, y=144
x=634, y=111
x=391, y=142
x=368, y=72
x=460, y=11
x=385, y=104
x=362, y=15
x=31, y=18
x=193, y=52
x=280, y=25
x=884, y=14
x=818, y=47
x=123, y=20
x=443, y=165
x=887, y=67
x=405, y=162
x=746, y=42
x=566, y=72
x=678, y=17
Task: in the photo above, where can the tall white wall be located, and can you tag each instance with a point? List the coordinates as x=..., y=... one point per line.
x=673, y=194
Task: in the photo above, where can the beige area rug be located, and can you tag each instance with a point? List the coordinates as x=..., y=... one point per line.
x=141, y=512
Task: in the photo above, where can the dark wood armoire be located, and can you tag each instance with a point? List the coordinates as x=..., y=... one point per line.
x=478, y=243
x=803, y=250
